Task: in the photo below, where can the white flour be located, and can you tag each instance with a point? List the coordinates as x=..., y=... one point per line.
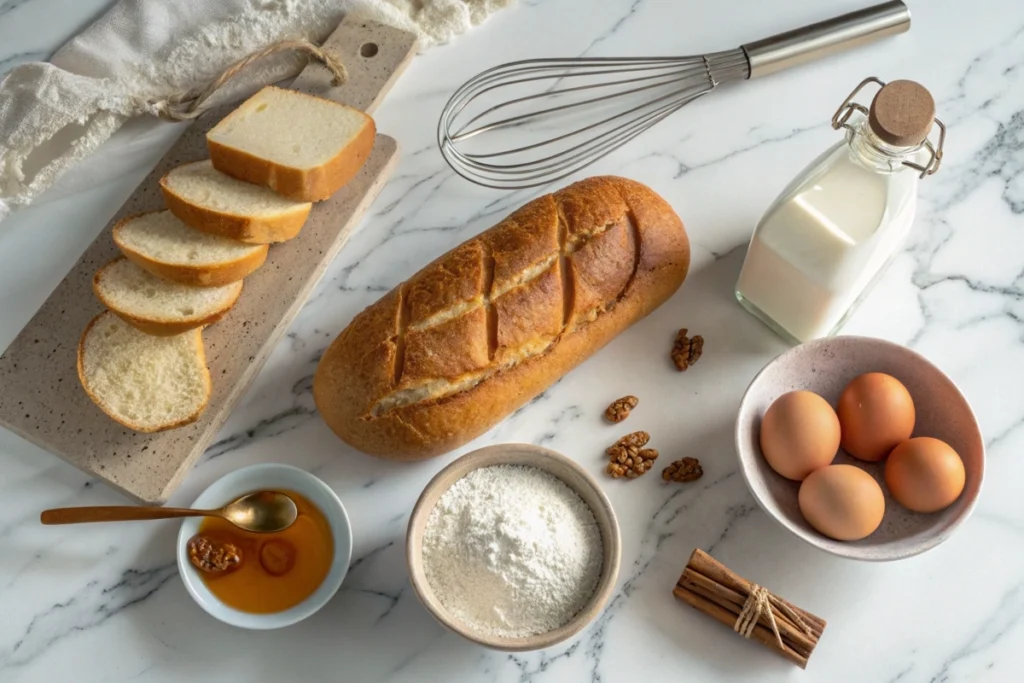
x=512, y=551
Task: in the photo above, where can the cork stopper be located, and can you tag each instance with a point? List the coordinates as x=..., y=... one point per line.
x=902, y=113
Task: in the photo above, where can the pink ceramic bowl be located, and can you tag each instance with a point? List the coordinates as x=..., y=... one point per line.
x=825, y=366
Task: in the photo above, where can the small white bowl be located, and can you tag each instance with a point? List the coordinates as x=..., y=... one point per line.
x=826, y=366
x=269, y=476
x=556, y=464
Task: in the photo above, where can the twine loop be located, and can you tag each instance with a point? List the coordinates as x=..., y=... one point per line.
x=760, y=602
x=189, y=105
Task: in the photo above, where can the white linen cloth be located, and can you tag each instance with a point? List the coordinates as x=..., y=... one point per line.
x=53, y=115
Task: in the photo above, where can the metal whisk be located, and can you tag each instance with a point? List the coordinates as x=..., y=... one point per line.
x=532, y=122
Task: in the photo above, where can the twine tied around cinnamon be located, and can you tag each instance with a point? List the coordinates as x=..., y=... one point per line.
x=713, y=589
x=189, y=105
x=760, y=602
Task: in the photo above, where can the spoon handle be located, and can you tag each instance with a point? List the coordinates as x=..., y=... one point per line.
x=115, y=513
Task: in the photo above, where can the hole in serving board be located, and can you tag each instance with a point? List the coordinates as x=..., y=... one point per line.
x=369, y=50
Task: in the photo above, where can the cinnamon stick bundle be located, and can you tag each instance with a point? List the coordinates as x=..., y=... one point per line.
x=712, y=588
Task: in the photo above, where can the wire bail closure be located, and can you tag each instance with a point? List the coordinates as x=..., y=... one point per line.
x=842, y=117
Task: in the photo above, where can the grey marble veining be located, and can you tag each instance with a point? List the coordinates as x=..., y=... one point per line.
x=105, y=604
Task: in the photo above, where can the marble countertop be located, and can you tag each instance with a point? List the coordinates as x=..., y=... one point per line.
x=105, y=603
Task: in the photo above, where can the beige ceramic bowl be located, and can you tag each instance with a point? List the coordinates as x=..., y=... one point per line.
x=825, y=366
x=576, y=478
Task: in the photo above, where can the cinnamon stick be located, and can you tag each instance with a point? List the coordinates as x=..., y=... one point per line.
x=761, y=634
x=703, y=563
x=732, y=601
x=712, y=588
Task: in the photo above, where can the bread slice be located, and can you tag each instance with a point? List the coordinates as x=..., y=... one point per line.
x=303, y=147
x=214, y=202
x=158, y=306
x=146, y=383
x=163, y=245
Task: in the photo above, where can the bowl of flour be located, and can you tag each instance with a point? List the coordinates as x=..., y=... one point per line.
x=514, y=547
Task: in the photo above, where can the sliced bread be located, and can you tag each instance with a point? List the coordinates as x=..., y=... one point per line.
x=217, y=203
x=158, y=306
x=163, y=245
x=146, y=383
x=303, y=147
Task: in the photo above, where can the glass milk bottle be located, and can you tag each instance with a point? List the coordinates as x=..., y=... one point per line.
x=826, y=239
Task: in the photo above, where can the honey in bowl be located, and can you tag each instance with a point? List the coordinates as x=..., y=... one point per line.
x=264, y=573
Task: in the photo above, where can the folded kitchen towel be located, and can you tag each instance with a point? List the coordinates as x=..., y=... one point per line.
x=55, y=114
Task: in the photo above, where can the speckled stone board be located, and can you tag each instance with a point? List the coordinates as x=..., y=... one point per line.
x=40, y=395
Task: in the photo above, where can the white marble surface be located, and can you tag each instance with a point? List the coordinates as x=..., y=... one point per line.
x=106, y=604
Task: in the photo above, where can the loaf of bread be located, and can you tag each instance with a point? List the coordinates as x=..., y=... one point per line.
x=449, y=353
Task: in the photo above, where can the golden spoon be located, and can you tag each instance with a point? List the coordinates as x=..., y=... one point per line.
x=261, y=511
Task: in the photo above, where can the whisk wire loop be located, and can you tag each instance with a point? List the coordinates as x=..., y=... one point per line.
x=662, y=79
x=673, y=94
x=615, y=100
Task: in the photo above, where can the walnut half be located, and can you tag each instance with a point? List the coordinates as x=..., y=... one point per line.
x=634, y=466
x=212, y=555
x=628, y=446
x=619, y=410
x=684, y=470
x=687, y=350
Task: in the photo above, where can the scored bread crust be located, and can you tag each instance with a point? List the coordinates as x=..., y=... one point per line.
x=299, y=184
x=207, y=382
x=207, y=275
x=280, y=227
x=161, y=327
x=630, y=253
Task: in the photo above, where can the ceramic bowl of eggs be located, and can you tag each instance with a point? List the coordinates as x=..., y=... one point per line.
x=860, y=447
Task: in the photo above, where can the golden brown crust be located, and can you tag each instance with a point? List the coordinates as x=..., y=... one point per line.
x=604, y=253
x=249, y=229
x=449, y=349
x=200, y=352
x=526, y=237
x=160, y=327
x=455, y=278
x=308, y=185
x=531, y=313
x=216, y=275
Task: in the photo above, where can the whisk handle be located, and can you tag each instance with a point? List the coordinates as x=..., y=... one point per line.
x=817, y=40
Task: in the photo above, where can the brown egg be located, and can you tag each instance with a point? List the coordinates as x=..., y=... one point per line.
x=924, y=474
x=842, y=501
x=799, y=434
x=876, y=414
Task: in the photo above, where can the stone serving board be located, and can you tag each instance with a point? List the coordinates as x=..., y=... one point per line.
x=41, y=398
